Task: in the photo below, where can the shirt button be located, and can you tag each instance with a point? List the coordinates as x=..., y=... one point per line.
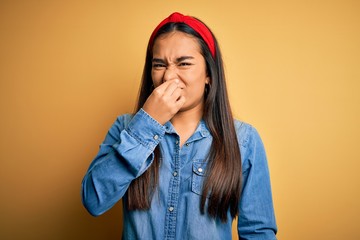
x=156, y=137
x=200, y=169
x=187, y=144
x=177, y=142
x=171, y=209
x=175, y=174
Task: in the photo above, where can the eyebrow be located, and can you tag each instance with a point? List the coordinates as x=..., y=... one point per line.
x=183, y=58
x=180, y=59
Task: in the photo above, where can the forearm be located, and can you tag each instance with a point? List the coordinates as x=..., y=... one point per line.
x=125, y=154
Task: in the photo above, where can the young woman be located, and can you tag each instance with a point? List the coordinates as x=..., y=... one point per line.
x=182, y=165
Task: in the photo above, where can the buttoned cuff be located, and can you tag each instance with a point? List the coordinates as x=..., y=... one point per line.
x=146, y=129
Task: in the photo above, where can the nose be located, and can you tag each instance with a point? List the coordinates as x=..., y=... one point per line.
x=170, y=73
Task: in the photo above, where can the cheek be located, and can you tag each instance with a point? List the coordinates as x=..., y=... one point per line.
x=156, y=78
x=197, y=80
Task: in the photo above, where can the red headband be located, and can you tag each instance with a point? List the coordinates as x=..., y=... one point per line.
x=195, y=24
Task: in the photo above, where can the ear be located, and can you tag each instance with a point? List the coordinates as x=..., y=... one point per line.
x=207, y=80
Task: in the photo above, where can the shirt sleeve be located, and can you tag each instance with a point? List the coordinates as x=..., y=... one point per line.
x=125, y=154
x=256, y=212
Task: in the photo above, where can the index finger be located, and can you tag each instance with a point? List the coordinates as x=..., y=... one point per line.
x=162, y=87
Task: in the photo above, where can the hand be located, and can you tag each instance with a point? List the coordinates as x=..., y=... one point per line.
x=165, y=101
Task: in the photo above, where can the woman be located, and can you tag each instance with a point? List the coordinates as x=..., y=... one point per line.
x=183, y=167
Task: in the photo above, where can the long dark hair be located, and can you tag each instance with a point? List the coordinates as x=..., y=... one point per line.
x=223, y=181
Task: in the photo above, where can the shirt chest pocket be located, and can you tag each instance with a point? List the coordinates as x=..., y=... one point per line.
x=198, y=176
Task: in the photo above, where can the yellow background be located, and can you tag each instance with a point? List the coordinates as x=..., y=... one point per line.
x=68, y=68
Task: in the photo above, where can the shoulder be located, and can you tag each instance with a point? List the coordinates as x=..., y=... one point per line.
x=246, y=133
x=251, y=145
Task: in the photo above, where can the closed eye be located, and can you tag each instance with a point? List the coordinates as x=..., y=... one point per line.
x=158, y=65
x=184, y=61
x=185, y=64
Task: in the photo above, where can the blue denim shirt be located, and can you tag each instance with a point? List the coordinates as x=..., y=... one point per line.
x=127, y=152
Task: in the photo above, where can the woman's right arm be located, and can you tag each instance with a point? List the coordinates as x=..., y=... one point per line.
x=125, y=154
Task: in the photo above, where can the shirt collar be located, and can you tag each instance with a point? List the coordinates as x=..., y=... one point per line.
x=200, y=132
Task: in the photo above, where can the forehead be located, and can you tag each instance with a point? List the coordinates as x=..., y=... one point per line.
x=176, y=43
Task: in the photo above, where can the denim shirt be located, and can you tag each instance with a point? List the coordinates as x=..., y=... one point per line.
x=127, y=152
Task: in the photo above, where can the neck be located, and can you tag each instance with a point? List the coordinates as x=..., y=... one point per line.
x=186, y=122
x=187, y=117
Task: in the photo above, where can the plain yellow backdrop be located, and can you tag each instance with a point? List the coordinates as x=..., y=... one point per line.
x=68, y=68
